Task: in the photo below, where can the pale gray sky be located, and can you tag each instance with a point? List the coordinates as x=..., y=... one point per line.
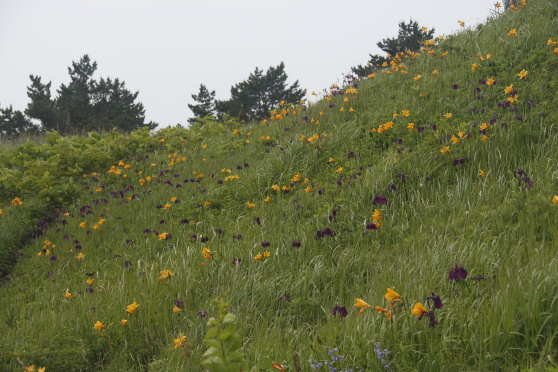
x=167, y=48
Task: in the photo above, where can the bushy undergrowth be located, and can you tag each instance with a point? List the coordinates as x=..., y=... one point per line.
x=435, y=179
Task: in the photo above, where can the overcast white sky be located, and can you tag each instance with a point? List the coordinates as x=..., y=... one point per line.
x=167, y=48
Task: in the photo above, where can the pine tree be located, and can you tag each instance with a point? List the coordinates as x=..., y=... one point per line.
x=13, y=123
x=253, y=98
x=205, y=106
x=85, y=104
x=409, y=39
x=41, y=106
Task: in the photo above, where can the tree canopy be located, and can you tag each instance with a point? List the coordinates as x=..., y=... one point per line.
x=251, y=99
x=409, y=39
x=85, y=104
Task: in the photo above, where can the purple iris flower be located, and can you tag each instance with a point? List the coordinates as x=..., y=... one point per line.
x=457, y=273
x=341, y=310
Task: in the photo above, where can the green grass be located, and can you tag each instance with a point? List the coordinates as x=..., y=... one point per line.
x=440, y=214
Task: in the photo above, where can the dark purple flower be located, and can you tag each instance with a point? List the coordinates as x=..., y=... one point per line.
x=265, y=244
x=127, y=263
x=371, y=226
x=176, y=201
x=246, y=165
x=437, y=301
x=159, y=206
x=285, y=298
x=162, y=222
x=89, y=290
x=296, y=244
x=179, y=303
x=351, y=154
x=204, y=239
x=432, y=318
x=398, y=141
x=193, y=237
x=239, y=236
x=378, y=199
x=433, y=126
x=77, y=247
x=257, y=220
x=455, y=86
x=184, y=221
x=320, y=191
x=542, y=115
x=420, y=129
x=53, y=258
x=457, y=273
x=146, y=231
x=331, y=105
x=341, y=310
x=202, y=313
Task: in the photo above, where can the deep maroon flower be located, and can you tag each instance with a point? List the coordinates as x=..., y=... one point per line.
x=239, y=167
x=320, y=191
x=351, y=154
x=371, y=226
x=482, y=82
x=176, y=201
x=168, y=183
x=331, y=105
x=457, y=273
x=257, y=220
x=392, y=187
x=246, y=165
x=296, y=244
x=378, y=199
x=146, y=231
x=193, y=237
x=159, y=206
x=162, y=222
x=398, y=141
x=127, y=263
x=437, y=301
x=455, y=86
x=433, y=126
x=77, y=247
x=202, y=313
x=204, y=239
x=341, y=310
x=420, y=129
x=265, y=244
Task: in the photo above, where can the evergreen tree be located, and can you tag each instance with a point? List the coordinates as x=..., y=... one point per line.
x=41, y=106
x=85, y=104
x=205, y=106
x=409, y=38
x=113, y=106
x=253, y=98
x=13, y=123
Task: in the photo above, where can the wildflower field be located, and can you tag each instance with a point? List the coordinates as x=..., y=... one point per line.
x=404, y=221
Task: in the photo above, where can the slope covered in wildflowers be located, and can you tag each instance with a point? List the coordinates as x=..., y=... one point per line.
x=406, y=221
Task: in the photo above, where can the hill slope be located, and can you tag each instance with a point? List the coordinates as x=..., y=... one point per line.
x=442, y=163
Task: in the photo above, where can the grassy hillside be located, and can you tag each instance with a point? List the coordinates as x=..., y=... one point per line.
x=442, y=163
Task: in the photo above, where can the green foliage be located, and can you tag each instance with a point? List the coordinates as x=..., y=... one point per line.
x=252, y=99
x=205, y=106
x=409, y=39
x=85, y=104
x=13, y=123
x=224, y=343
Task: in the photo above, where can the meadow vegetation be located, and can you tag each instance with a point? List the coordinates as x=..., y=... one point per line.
x=405, y=221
